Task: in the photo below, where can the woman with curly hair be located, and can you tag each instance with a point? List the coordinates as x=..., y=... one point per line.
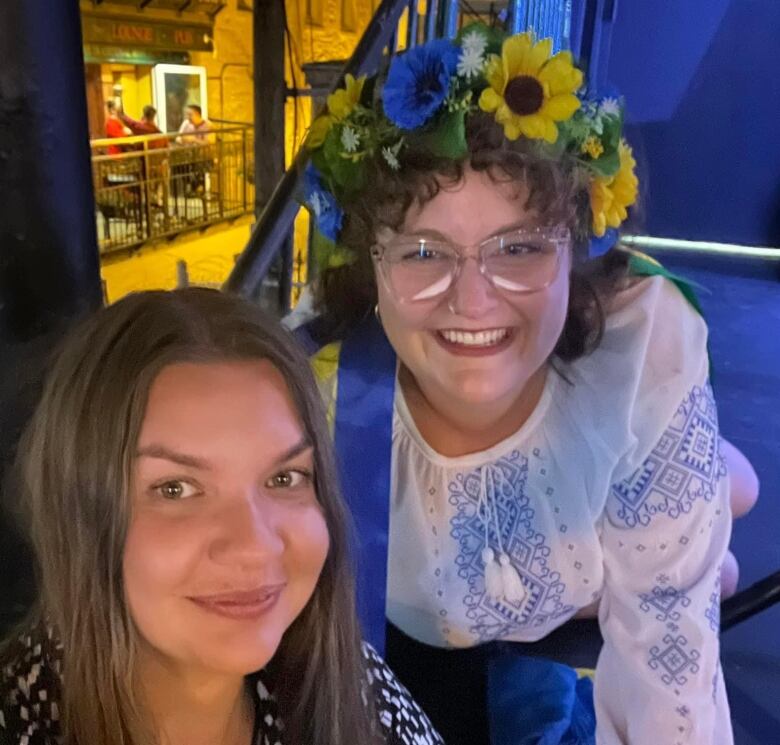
x=526, y=432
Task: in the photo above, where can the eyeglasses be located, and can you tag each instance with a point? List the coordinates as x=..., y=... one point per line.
x=522, y=261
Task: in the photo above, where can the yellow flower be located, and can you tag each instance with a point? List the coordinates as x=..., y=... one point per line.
x=593, y=147
x=611, y=197
x=528, y=90
x=341, y=104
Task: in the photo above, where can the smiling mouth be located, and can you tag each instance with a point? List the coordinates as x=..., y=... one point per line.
x=475, y=339
x=241, y=605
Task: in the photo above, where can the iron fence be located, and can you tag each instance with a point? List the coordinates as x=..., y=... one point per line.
x=157, y=186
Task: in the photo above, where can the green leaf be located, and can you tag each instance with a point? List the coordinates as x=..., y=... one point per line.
x=346, y=174
x=607, y=165
x=328, y=254
x=446, y=139
x=613, y=129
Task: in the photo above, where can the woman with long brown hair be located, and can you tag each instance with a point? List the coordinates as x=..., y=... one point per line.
x=180, y=497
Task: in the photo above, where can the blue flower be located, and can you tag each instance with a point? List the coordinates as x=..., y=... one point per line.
x=323, y=205
x=418, y=83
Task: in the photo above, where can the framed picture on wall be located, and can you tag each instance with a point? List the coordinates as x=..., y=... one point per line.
x=174, y=88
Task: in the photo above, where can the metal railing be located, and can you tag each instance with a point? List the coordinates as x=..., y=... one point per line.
x=156, y=186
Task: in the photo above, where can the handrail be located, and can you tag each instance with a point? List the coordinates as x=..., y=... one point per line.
x=155, y=187
x=275, y=222
x=751, y=601
x=140, y=139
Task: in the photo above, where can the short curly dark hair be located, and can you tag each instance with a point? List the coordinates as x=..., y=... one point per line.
x=558, y=193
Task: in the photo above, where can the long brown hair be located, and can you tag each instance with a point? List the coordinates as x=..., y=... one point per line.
x=558, y=193
x=73, y=481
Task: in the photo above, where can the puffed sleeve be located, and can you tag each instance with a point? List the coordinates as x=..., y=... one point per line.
x=665, y=531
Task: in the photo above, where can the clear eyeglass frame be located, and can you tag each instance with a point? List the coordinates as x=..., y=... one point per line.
x=557, y=237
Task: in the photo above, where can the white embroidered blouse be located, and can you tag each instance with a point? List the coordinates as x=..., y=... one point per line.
x=613, y=490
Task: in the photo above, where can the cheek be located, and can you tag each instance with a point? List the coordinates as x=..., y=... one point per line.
x=546, y=316
x=308, y=542
x=159, y=559
x=405, y=326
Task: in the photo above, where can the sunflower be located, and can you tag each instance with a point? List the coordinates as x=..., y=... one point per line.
x=341, y=103
x=610, y=197
x=528, y=90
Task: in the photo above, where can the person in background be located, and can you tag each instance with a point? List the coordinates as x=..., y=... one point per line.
x=180, y=493
x=114, y=127
x=194, y=128
x=147, y=125
x=158, y=163
x=199, y=161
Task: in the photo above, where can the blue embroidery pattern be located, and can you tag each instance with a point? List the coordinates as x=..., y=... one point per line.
x=712, y=614
x=527, y=549
x=684, y=466
x=665, y=601
x=674, y=660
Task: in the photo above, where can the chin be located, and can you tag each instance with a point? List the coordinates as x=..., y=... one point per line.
x=240, y=659
x=484, y=389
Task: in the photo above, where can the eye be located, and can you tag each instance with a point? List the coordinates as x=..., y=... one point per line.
x=174, y=490
x=291, y=479
x=421, y=251
x=518, y=249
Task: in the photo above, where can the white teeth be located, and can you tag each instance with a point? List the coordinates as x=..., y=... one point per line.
x=475, y=338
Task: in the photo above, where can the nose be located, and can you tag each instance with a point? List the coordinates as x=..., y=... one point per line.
x=471, y=295
x=248, y=533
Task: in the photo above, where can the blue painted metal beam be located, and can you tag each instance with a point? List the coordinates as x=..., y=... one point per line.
x=518, y=16
x=49, y=269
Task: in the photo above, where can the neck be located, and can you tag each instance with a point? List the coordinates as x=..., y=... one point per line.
x=194, y=707
x=453, y=428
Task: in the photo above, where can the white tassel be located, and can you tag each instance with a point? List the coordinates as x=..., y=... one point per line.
x=514, y=590
x=493, y=582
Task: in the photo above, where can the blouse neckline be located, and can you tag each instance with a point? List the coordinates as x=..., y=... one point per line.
x=470, y=460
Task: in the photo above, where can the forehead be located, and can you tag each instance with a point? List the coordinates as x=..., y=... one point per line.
x=230, y=409
x=472, y=209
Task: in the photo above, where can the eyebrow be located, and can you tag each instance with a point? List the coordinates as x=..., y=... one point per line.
x=163, y=453
x=300, y=447
x=436, y=235
x=190, y=461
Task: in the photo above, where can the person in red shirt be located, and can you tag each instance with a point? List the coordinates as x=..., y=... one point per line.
x=145, y=126
x=114, y=127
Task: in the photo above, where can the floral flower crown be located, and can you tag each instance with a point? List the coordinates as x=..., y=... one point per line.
x=422, y=103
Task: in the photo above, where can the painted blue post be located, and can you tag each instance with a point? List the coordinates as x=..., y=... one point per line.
x=548, y=19
x=49, y=267
x=411, y=29
x=536, y=21
x=518, y=16
x=451, y=18
x=606, y=12
x=566, y=24
x=576, y=33
x=431, y=12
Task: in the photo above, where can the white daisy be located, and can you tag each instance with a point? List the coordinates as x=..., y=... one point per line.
x=609, y=107
x=474, y=43
x=391, y=158
x=470, y=63
x=350, y=139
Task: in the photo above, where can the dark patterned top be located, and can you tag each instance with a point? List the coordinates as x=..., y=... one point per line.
x=30, y=685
